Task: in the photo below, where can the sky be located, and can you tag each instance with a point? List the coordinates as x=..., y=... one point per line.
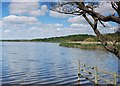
x=28, y=20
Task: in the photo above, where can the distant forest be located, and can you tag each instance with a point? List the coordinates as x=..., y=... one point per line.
x=78, y=37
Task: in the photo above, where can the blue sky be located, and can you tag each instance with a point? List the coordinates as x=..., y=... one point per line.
x=45, y=19
x=27, y=20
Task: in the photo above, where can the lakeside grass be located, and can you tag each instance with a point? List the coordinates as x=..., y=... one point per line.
x=89, y=46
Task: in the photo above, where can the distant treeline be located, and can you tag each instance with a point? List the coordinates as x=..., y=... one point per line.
x=78, y=37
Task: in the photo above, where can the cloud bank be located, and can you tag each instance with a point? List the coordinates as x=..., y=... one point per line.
x=27, y=8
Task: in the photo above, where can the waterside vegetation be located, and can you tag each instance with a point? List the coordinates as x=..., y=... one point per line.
x=90, y=46
x=83, y=41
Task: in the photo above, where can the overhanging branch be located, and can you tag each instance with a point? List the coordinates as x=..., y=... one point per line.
x=98, y=15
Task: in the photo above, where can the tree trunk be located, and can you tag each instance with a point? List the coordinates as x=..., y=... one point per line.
x=111, y=48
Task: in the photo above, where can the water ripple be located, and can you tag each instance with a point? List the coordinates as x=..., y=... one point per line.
x=46, y=64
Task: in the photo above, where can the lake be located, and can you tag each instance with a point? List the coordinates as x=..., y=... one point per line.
x=37, y=63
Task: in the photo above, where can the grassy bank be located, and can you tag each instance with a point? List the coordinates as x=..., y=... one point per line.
x=84, y=46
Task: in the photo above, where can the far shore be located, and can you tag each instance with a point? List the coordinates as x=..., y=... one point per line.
x=83, y=41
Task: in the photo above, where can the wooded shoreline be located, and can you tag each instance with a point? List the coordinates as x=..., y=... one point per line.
x=83, y=41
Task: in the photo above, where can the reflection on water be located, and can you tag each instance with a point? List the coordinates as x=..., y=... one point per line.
x=49, y=64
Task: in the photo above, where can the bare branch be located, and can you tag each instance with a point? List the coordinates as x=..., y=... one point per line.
x=65, y=11
x=102, y=23
x=114, y=6
x=98, y=15
x=73, y=13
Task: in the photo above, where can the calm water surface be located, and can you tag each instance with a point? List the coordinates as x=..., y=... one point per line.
x=42, y=64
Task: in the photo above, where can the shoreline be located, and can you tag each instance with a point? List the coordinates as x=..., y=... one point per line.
x=85, y=45
x=75, y=44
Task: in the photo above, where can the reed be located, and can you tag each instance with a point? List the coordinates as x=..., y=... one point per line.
x=83, y=46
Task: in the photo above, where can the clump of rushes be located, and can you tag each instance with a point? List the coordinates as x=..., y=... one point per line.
x=89, y=40
x=82, y=46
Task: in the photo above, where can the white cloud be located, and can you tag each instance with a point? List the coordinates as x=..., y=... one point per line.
x=27, y=8
x=81, y=28
x=25, y=1
x=53, y=25
x=76, y=25
x=77, y=19
x=13, y=21
x=44, y=8
x=59, y=29
x=7, y=31
x=22, y=8
x=28, y=27
x=86, y=28
x=35, y=28
x=19, y=19
x=16, y=22
x=56, y=14
x=39, y=12
x=105, y=8
x=0, y=24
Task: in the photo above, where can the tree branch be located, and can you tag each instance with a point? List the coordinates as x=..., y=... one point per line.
x=111, y=48
x=99, y=16
x=102, y=23
x=73, y=13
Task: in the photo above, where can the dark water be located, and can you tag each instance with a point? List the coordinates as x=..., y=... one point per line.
x=45, y=64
